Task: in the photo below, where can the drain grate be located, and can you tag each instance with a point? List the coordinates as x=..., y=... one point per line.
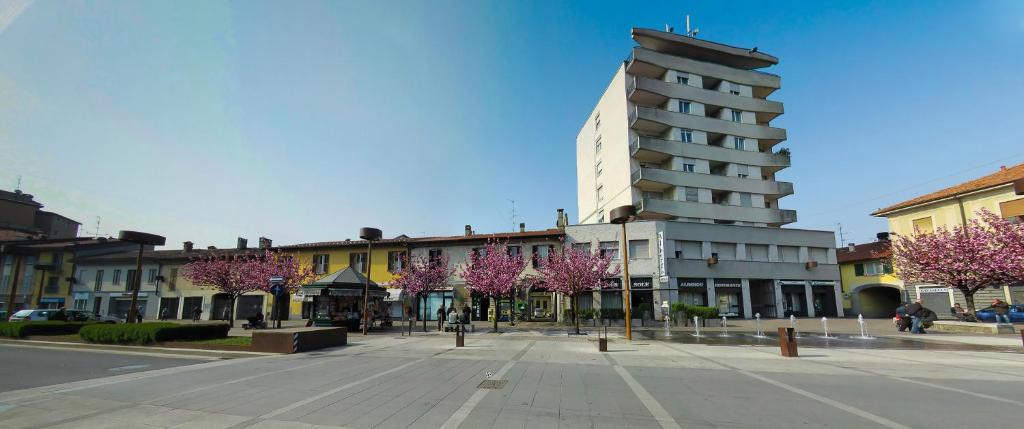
x=492, y=384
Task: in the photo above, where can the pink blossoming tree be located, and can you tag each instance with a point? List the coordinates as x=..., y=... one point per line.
x=968, y=258
x=238, y=274
x=493, y=272
x=420, y=276
x=573, y=271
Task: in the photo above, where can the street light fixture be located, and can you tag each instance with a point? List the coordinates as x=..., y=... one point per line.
x=142, y=239
x=622, y=215
x=370, y=235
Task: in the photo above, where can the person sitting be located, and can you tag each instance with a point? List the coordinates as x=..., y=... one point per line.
x=959, y=313
x=453, y=320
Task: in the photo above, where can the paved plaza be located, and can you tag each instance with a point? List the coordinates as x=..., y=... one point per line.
x=389, y=381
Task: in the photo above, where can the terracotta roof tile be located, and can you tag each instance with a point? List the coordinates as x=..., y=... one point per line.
x=1001, y=177
x=863, y=252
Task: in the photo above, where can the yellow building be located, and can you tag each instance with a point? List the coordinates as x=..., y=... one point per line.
x=1000, y=192
x=332, y=256
x=869, y=286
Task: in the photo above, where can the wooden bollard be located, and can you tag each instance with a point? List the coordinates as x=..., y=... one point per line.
x=787, y=342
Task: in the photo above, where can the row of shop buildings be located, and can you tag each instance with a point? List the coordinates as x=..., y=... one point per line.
x=743, y=271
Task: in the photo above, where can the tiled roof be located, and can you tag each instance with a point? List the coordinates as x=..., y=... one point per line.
x=1002, y=177
x=164, y=255
x=401, y=239
x=863, y=252
x=544, y=233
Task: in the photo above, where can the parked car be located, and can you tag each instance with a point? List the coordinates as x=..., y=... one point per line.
x=987, y=315
x=88, y=316
x=31, y=315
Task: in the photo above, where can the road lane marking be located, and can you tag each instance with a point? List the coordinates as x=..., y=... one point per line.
x=836, y=404
x=663, y=417
x=314, y=398
x=908, y=380
x=467, y=407
x=128, y=368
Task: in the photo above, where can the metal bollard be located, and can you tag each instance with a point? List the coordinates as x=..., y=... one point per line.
x=460, y=337
x=787, y=342
x=602, y=342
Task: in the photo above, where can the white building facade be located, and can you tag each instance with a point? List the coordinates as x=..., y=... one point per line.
x=683, y=133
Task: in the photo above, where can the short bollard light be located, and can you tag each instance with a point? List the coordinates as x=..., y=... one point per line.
x=787, y=342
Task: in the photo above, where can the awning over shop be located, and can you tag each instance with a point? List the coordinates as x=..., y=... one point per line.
x=346, y=282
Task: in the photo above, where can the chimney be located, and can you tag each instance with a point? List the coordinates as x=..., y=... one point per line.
x=242, y=244
x=882, y=236
x=187, y=246
x=851, y=247
x=469, y=230
x=522, y=227
x=1002, y=168
x=562, y=221
x=265, y=243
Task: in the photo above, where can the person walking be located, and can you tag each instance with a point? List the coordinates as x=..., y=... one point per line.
x=138, y=314
x=440, y=318
x=1001, y=310
x=915, y=311
x=197, y=312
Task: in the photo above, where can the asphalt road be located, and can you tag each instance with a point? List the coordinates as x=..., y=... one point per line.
x=24, y=367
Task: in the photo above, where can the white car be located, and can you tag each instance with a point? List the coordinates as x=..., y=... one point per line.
x=31, y=315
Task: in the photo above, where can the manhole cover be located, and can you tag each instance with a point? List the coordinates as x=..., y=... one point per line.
x=492, y=384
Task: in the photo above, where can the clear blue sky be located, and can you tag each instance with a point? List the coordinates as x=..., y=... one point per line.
x=300, y=121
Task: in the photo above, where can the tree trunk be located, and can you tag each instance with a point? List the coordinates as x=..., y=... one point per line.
x=424, y=313
x=497, y=312
x=576, y=312
x=968, y=298
x=231, y=311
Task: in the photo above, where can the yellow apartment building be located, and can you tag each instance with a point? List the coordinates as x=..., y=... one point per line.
x=1001, y=192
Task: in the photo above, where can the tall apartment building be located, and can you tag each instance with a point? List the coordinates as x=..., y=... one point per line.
x=683, y=133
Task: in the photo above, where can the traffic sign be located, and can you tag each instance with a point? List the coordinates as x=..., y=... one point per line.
x=277, y=290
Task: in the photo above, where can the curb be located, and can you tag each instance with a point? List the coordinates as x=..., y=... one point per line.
x=161, y=351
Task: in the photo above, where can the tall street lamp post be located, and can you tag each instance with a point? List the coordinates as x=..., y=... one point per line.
x=142, y=239
x=622, y=215
x=370, y=235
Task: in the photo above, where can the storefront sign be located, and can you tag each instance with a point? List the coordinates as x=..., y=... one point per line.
x=661, y=257
x=728, y=283
x=934, y=290
x=80, y=296
x=701, y=283
x=640, y=282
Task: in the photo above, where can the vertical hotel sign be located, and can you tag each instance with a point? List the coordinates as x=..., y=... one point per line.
x=663, y=276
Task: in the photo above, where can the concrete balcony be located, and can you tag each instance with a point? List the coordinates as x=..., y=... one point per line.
x=653, y=150
x=652, y=208
x=651, y=92
x=656, y=179
x=652, y=64
x=651, y=121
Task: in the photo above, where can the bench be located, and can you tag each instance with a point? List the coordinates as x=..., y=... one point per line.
x=450, y=327
x=971, y=328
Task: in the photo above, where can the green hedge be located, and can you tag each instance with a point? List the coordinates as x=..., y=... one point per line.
x=145, y=333
x=695, y=310
x=24, y=329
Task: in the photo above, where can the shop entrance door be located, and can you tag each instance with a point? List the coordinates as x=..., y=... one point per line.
x=168, y=308
x=481, y=305
x=189, y=305
x=641, y=304
x=540, y=306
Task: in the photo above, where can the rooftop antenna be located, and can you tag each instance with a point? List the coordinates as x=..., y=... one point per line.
x=513, y=215
x=18, y=188
x=689, y=32
x=97, y=232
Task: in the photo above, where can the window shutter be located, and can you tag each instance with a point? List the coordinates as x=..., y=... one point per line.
x=858, y=269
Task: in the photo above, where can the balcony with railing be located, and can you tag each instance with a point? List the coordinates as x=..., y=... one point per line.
x=656, y=179
x=653, y=208
x=653, y=92
x=655, y=150
x=652, y=121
